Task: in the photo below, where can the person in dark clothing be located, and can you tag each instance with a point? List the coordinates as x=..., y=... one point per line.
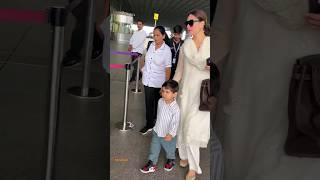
x=72, y=56
x=175, y=45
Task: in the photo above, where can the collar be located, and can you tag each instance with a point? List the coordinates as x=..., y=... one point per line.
x=171, y=104
x=161, y=47
x=194, y=55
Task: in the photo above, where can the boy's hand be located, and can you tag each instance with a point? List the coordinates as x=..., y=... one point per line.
x=168, y=137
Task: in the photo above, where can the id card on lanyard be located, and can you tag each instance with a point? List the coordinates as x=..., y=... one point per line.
x=175, y=52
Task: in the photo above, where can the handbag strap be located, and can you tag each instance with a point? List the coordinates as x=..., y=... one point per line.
x=307, y=69
x=214, y=80
x=316, y=83
x=316, y=91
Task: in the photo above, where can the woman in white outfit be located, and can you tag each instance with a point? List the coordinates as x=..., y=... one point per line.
x=194, y=129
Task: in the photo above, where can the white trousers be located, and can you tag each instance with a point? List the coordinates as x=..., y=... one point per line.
x=192, y=154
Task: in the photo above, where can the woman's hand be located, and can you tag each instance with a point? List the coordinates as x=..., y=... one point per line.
x=207, y=67
x=313, y=19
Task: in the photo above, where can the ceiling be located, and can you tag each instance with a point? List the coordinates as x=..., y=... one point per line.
x=171, y=12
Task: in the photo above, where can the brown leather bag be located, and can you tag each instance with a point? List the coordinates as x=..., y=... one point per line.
x=209, y=90
x=207, y=102
x=303, y=138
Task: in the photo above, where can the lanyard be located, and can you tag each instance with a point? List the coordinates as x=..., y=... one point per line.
x=176, y=50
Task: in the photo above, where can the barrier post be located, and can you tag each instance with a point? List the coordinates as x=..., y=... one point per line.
x=84, y=91
x=88, y=49
x=57, y=18
x=136, y=90
x=126, y=125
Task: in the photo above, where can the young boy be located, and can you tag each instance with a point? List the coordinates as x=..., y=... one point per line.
x=165, y=129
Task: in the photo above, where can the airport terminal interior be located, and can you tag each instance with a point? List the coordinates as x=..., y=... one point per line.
x=129, y=149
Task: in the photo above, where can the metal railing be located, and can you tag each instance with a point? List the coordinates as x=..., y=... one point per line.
x=126, y=125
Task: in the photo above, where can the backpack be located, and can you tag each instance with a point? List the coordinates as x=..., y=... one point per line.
x=303, y=139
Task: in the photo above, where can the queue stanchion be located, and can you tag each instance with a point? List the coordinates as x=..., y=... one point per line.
x=84, y=91
x=57, y=18
x=136, y=90
x=125, y=125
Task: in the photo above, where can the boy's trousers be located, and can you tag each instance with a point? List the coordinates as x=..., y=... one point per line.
x=157, y=143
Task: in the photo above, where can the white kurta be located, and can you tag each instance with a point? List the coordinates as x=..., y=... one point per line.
x=194, y=126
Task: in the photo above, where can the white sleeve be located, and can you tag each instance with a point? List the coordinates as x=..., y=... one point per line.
x=132, y=39
x=178, y=73
x=168, y=57
x=174, y=123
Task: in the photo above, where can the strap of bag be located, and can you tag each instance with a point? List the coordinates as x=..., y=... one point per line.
x=306, y=125
x=316, y=83
x=215, y=80
x=301, y=122
x=316, y=91
x=206, y=87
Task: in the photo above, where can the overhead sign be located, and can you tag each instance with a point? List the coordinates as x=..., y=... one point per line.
x=155, y=16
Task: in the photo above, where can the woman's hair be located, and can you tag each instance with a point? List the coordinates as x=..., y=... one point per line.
x=202, y=16
x=163, y=32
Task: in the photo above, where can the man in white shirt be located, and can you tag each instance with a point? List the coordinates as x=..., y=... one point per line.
x=136, y=45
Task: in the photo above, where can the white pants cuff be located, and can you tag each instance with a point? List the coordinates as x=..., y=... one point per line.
x=192, y=154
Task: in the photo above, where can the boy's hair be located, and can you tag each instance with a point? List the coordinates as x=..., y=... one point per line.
x=172, y=85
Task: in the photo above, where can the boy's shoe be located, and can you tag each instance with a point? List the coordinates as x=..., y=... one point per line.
x=148, y=168
x=169, y=165
x=145, y=130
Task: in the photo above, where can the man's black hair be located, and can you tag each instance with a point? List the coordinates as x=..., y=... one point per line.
x=177, y=29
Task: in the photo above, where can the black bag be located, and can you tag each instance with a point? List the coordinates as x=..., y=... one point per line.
x=209, y=90
x=303, y=138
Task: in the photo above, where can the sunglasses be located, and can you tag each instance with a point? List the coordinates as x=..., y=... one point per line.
x=191, y=22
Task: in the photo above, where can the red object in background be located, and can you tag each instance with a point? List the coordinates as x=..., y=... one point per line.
x=12, y=15
x=116, y=66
